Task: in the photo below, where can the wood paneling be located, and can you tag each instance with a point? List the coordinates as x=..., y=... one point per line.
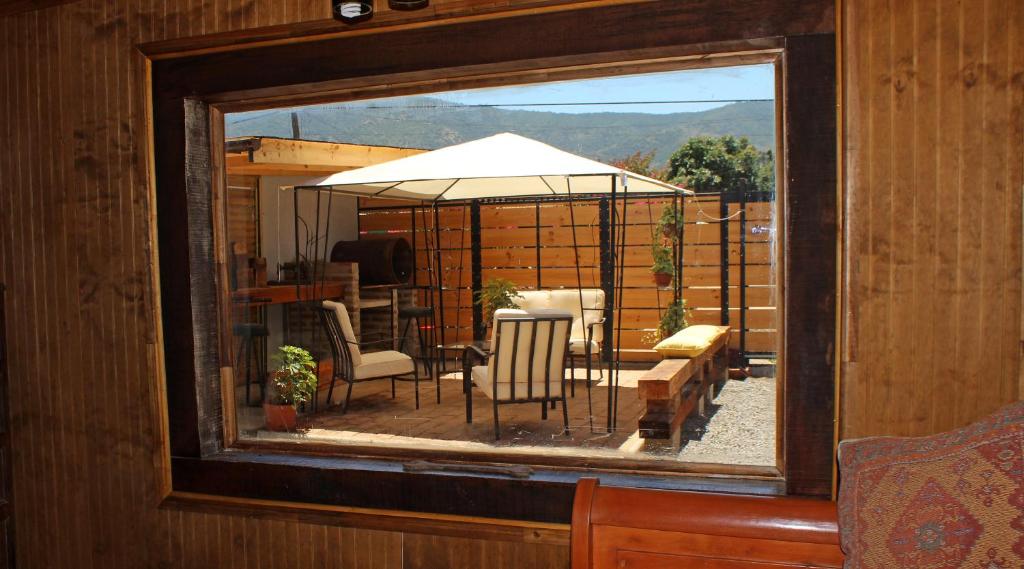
x=73, y=251
x=934, y=125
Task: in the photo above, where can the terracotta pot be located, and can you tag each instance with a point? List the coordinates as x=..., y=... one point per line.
x=280, y=417
x=663, y=279
x=670, y=231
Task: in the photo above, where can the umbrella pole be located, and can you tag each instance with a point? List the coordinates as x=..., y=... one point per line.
x=615, y=347
x=579, y=288
x=438, y=272
x=619, y=290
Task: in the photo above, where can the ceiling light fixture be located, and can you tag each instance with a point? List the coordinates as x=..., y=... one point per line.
x=352, y=11
x=408, y=4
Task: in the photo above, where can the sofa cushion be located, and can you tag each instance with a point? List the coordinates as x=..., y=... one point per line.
x=383, y=364
x=688, y=342
x=568, y=300
x=482, y=379
x=950, y=500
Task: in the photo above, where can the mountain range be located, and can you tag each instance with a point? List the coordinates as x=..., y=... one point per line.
x=424, y=122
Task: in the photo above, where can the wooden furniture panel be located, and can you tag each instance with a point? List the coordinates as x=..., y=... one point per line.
x=615, y=528
x=934, y=170
x=677, y=387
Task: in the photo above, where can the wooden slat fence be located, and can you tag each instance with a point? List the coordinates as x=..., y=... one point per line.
x=532, y=245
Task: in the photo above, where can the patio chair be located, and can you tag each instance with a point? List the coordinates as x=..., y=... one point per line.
x=351, y=365
x=525, y=363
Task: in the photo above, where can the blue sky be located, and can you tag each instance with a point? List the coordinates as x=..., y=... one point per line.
x=727, y=83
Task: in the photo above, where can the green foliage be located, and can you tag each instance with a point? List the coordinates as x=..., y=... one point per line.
x=294, y=380
x=495, y=295
x=674, y=318
x=662, y=260
x=726, y=163
x=671, y=222
x=640, y=163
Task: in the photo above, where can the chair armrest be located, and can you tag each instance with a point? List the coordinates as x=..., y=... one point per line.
x=473, y=353
x=590, y=329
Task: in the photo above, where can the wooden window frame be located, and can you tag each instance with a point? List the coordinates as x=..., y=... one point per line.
x=190, y=86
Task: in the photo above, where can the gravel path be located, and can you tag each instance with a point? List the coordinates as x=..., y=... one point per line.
x=739, y=427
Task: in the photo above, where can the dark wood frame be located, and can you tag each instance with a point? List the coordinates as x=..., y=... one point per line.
x=193, y=83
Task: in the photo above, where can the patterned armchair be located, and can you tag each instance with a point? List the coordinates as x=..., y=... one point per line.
x=950, y=500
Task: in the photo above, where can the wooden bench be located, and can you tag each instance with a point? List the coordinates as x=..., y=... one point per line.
x=676, y=387
x=626, y=528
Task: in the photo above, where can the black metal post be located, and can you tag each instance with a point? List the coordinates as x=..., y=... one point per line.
x=537, y=240
x=475, y=234
x=723, y=227
x=440, y=276
x=743, y=278
x=605, y=243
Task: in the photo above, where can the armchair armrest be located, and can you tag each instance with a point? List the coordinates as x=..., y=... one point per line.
x=473, y=353
x=590, y=329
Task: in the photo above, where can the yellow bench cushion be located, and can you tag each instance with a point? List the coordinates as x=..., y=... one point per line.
x=688, y=342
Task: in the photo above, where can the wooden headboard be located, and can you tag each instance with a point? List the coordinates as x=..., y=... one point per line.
x=625, y=528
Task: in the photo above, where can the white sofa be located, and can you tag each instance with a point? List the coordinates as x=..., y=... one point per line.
x=568, y=300
x=587, y=320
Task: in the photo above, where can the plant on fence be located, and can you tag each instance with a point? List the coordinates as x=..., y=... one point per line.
x=496, y=294
x=662, y=268
x=294, y=382
x=674, y=318
x=671, y=222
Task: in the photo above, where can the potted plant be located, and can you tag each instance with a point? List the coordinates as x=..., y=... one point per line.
x=674, y=319
x=671, y=222
x=496, y=294
x=294, y=382
x=663, y=268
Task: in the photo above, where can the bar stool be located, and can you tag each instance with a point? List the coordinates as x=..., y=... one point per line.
x=423, y=315
x=250, y=333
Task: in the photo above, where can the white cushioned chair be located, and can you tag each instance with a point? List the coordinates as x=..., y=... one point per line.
x=351, y=365
x=526, y=363
x=587, y=309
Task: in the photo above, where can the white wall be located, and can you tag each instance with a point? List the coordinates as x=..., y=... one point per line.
x=277, y=231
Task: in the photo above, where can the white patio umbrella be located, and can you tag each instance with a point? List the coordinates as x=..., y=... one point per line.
x=504, y=165
x=500, y=166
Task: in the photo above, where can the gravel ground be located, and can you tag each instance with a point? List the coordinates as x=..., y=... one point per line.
x=739, y=427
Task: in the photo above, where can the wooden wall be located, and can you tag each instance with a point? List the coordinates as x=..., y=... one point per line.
x=932, y=298
x=934, y=121
x=73, y=234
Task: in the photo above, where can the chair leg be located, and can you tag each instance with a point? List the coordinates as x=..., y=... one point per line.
x=469, y=398
x=565, y=415
x=248, y=369
x=544, y=410
x=497, y=429
x=348, y=396
x=392, y=387
x=416, y=382
x=572, y=375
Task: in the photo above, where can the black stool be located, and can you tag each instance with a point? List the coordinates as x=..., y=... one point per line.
x=249, y=334
x=421, y=314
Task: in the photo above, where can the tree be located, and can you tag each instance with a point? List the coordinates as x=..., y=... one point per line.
x=640, y=163
x=726, y=163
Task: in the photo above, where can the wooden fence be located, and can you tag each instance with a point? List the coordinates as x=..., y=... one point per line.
x=531, y=244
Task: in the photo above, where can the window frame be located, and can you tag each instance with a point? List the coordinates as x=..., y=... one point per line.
x=205, y=458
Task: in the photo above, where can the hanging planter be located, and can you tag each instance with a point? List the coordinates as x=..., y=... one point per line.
x=663, y=269
x=663, y=279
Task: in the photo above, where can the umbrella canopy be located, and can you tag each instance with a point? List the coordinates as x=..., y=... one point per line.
x=503, y=165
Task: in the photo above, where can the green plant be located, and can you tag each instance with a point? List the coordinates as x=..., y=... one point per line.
x=294, y=380
x=495, y=295
x=671, y=222
x=662, y=260
x=674, y=318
